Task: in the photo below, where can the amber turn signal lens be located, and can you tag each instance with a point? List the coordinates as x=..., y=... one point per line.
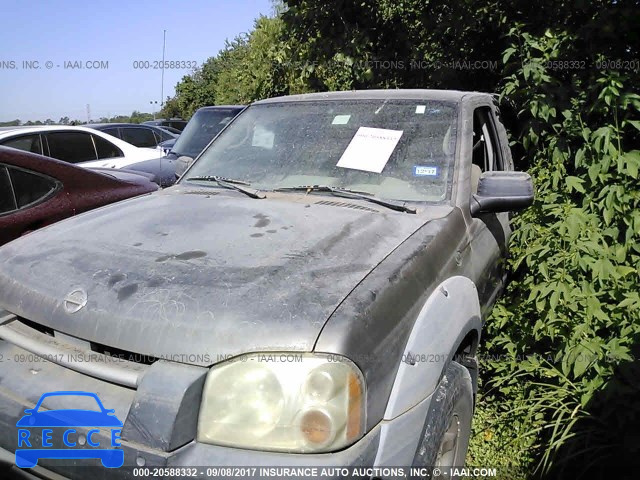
x=354, y=420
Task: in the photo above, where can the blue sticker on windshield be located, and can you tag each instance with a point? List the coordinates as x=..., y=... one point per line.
x=425, y=171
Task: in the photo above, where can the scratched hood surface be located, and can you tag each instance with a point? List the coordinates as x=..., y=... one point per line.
x=202, y=273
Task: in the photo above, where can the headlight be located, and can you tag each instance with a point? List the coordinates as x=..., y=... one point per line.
x=290, y=402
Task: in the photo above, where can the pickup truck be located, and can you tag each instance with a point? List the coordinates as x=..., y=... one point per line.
x=310, y=293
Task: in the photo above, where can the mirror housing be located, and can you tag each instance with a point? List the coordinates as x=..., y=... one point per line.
x=502, y=192
x=182, y=163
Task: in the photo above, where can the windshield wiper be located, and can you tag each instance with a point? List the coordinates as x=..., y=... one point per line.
x=229, y=183
x=344, y=192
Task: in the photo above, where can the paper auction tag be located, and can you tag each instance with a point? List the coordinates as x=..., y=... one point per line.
x=370, y=149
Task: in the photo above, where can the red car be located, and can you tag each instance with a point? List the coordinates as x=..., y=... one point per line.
x=36, y=191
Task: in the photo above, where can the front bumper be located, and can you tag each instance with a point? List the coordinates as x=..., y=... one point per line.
x=148, y=445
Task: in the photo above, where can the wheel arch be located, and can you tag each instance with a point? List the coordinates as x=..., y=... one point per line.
x=465, y=354
x=447, y=328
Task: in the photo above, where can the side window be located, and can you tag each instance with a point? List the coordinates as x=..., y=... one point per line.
x=140, y=137
x=486, y=148
x=7, y=199
x=112, y=131
x=106, y=149
x=71, y=147
x=28, y=143
x=29, y=187
x=162, y=136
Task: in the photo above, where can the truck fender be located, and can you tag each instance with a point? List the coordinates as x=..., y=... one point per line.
x=450, y=313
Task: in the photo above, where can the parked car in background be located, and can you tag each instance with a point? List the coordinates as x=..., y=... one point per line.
x=167, y=145
x=148, y=136
x=171, y=130
x=79, y=145
x=36, y=191
x=204, y=125
x=311, y=293
x=177, y=123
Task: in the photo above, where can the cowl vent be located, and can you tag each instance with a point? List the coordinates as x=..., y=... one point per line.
x=346, y=205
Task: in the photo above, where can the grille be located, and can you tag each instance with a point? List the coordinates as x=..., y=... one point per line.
x=122, y=354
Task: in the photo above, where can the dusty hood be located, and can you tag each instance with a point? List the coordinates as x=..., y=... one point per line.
x=208, y=273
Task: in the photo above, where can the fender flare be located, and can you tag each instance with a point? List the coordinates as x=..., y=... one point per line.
x=450, y=313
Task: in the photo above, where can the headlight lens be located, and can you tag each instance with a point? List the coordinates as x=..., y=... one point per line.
x=288, y=402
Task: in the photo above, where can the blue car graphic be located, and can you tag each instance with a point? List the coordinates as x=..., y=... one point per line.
x=28, y=457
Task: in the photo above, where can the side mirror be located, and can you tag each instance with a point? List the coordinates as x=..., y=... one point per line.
x=502, y=192
x=182, y=163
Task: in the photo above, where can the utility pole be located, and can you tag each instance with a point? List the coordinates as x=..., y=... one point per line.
x=164, y=41
x=88, y=113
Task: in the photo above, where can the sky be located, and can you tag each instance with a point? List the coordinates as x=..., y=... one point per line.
x=57, y=36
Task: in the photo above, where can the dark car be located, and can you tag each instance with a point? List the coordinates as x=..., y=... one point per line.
x=167, y=145
x=177, y=123
x=204, y=125
x=171, y=130
x=310, y=293
x=139, y=135
x=36, y=191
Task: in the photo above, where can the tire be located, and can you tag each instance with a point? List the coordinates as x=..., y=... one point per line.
x=445, y=436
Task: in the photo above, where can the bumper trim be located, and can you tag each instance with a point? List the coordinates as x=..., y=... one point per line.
x=7, y=460
x=118, y=371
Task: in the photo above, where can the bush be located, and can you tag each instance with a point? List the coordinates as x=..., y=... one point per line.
x=572, y=307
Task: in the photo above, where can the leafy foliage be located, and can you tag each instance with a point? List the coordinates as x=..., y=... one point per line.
x=573, y=301
x=250, y=67
x=502, y=437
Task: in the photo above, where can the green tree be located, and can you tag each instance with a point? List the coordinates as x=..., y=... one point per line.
x=136, y=117
x=259, y=65
x=255, y=65
x=170, y=108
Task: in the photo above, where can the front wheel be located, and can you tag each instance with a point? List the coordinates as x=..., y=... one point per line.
x=445, y=436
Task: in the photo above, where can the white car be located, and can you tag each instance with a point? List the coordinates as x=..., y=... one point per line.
x=84, y=146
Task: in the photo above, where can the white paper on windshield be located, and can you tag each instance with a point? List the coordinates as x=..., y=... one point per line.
x=370, y=149
x=420, y=109
x=341, y=119
x=262, y=137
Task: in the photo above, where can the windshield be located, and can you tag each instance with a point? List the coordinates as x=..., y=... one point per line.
x=203, y=126
x=401, y=150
